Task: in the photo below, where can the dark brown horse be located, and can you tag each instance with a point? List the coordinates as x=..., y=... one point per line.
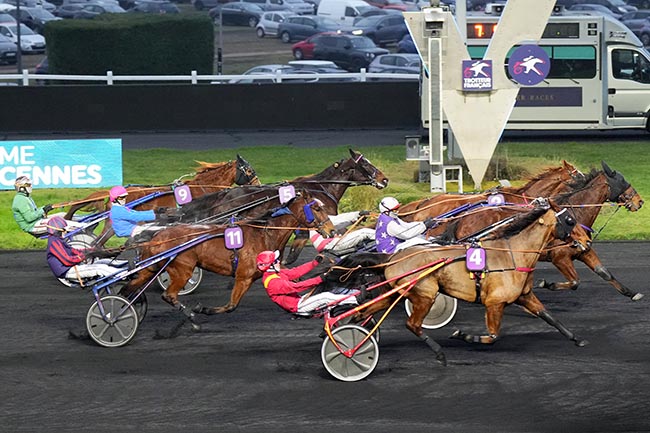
x=269, y=231
x=209, y=177
x=545, y=184
x=502, y=273
x=329, y=186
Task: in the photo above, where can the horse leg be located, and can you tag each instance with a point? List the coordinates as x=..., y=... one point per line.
x=178, y=279
x=592, y=260
x=421, y=306
x=493, y=318
x=564, y=263
x=530, y=302
x=299, y=241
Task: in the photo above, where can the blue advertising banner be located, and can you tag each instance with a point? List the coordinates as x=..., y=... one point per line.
x=62, y=163
x=549, y=97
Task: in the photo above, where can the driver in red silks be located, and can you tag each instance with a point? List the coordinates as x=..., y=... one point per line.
x=297, y=296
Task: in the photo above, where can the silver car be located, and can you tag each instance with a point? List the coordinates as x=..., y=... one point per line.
x=402, y=63
x=268, y=25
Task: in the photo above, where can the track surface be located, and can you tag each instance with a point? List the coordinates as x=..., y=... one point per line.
x=256, y=370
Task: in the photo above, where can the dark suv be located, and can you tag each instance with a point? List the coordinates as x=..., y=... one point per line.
x=348, y=51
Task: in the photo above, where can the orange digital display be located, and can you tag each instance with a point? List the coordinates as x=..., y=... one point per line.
x=481, y=30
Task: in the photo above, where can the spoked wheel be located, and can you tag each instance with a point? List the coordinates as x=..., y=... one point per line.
x=190, y=286
x=358, y=365
x=441, y=312
x=120, y=325
x=141, y=304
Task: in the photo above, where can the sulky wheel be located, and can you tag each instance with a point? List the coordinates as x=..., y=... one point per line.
x=120, y=325
x=441, y=312
x=358, y=365
x=82, y=240
x=190, y=286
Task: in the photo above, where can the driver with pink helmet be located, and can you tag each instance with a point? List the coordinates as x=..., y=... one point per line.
x=126, y=221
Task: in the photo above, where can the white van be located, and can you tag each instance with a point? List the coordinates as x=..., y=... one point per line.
x=343, y=11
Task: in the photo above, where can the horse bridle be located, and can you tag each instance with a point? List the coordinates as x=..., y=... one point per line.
x=245, y=173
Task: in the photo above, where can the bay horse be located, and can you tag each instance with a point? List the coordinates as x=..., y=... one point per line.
x=267, y=231
x=329, y=186
x=502, y=274
x=209, y=177
x=545, y=184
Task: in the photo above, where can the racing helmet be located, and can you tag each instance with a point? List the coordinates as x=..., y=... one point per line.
x=265, y=259
x=23, y=183
x=116, y=192
x=388, y=204
x=55, y=225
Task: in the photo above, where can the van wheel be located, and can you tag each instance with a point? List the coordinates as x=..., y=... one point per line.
x=298, y=54
x=286, y=37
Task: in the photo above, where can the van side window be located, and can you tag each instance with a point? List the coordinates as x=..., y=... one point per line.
x=349, y=12
x=630, y=65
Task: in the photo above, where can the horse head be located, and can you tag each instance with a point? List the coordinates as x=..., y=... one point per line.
x=246, y=174
x=620, y=190
x=309, y=213
x=362, y=171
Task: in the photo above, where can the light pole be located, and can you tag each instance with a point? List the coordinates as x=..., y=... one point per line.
x=19, y=57
x=220, y=47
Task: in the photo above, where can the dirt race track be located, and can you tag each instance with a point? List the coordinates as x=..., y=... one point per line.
x=256, y=370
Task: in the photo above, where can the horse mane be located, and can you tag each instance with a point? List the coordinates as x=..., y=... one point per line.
x=207, y=166
x=322, y=175
x=518, y=224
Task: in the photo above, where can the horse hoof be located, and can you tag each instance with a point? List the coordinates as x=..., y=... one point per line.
x=196, y=327
x=541, y=284
x=198, y=308
x=637, y=297
x=457, y=335
x=581, y=343
x=442, y=359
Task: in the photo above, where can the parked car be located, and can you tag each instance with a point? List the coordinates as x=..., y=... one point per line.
x=265, y=74
x=396, y=63
x=8, y=51
x=636, y=20
x=237, y=14
x=269, y=22
x=68, y=10
x=34, y=18
x=382, y=29
x=343, y=11
x=641, y=4
x=301, y=27
x=91, y=10
x=406, y=45
x=616, y=6
x=298, y=7
x=200, y=5
x=594, y=9
x=155, y=7
x=304, y=50
x=33, y=4
x=6, y=17
x=393, y=4
x=30, y=41
x=643, y=34
x=350, y=52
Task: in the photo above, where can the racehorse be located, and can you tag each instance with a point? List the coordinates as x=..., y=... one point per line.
x=501, y=273
x=269, y=231
x=209, y=177
x=329, y=186
x=545, y=184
